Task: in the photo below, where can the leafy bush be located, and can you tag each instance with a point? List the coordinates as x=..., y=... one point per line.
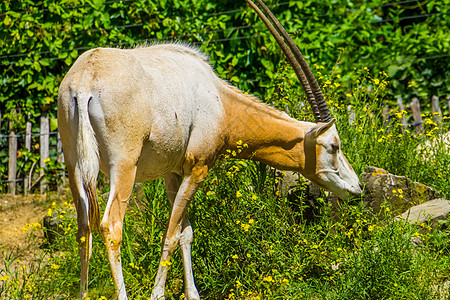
x=39, y=40
x=252, y=243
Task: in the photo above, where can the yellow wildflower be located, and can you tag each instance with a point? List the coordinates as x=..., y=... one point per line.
x=246, y=227
x=238, y=284
x=165, y=263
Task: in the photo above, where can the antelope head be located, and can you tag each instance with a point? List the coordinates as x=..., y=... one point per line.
x=324, y=161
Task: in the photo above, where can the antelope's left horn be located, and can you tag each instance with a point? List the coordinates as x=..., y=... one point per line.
x=302, y=70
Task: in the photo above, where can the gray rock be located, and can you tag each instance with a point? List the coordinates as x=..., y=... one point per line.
x=400, y=192
x=429, y=212
x=52, y=226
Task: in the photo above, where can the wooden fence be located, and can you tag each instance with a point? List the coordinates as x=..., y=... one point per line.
x=30, y=181
x=417, y=115
x=417, y=123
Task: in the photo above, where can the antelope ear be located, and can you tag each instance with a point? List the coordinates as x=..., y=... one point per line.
x=321, y=128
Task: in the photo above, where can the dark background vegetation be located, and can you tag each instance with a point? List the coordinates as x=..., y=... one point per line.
x=250, y=242
x=39, y=41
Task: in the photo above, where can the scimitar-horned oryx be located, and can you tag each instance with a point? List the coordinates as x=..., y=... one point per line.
x=161, y=111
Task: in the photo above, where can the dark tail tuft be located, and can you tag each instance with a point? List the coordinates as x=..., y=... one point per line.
x=94, y=211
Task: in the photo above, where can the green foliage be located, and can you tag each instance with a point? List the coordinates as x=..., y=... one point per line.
x=39, y=41
x=252, y=243
x=247, y=245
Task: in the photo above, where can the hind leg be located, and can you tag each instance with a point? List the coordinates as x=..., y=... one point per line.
x=84, y=234
x=173, y=183
x=122, y=180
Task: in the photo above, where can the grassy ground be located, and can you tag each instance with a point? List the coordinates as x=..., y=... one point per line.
x=251, y=243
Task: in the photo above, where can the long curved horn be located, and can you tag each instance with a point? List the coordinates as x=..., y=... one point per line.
x=293, y=62
x=312, y=87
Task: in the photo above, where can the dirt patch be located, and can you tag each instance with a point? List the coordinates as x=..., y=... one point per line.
x=15, y=213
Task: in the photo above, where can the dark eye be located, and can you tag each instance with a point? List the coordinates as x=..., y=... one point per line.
x=335, y=147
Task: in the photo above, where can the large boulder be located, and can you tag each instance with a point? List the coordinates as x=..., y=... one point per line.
x=294, y=187
x=400, y=192
x=380, y=186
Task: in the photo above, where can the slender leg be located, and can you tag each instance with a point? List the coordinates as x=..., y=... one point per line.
x=84, y=234
x=122, y=181
x=173, y=182
x=179, y=231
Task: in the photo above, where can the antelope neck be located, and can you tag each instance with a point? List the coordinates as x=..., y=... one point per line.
x=256, y=131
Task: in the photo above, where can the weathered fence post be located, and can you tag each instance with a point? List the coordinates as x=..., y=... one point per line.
x=437, y=113
x=402, y=109
x=385, y=115
x=351, y=115
x=415, y=107
x=44, y=148
x=12, y=163
x=27, y=179
x=60, y=159
x=448, y=103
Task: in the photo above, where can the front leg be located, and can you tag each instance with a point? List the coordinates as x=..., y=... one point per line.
x=179, y=231
x=173, y=182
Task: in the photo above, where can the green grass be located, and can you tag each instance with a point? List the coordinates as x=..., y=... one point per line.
x=251, y=243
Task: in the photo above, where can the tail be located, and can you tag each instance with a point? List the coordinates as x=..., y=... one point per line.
x=88, y=161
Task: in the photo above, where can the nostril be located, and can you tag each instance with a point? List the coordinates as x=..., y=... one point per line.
x=360, y=186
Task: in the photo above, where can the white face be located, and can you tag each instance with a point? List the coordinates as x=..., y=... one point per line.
x=326, y=165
